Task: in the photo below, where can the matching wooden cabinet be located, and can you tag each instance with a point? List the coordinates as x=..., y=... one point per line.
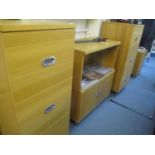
x=36, y=66
x=140, y=56
x=129, y=35
x=85, y=99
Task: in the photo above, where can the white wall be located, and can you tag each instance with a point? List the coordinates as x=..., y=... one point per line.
x=93, y=26
x=85, y=27
x=81, y=26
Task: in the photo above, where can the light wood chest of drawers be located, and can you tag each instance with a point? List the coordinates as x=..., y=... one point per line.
x=36, y=65
x=129, y=35
x=140, y=56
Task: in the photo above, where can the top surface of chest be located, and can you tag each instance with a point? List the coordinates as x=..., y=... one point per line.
x=32, y=25
x=92, y=47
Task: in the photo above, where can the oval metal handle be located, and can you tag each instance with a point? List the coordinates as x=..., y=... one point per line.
x=49, y=108
x=49, y=61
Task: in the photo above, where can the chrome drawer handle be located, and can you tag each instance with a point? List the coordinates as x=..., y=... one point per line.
x=48, y=61
x=49, y=108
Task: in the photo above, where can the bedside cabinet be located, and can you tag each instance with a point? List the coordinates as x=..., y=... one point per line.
x=86, y=97
x=36, y=65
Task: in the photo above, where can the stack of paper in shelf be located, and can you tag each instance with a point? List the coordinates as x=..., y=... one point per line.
x=99, y=69
x=93, y=72
x=85, y=82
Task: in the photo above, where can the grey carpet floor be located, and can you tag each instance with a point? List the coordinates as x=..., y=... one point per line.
x=130, y=112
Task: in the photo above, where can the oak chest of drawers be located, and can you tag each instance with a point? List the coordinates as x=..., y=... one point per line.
x=140, y=56
x=36, y=65
x=129, y=35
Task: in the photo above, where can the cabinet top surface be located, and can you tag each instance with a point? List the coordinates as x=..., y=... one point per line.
x=120, y=23
x=91, y=47
x=29, y=25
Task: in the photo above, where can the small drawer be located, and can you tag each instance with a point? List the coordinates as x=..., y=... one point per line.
x=59, y=127
x=135, y=39
x=39, y=60
x=138, y=29
x=127, y=72
x=94, y=94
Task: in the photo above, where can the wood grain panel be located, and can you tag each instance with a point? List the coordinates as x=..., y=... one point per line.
x=76, y=83
x=129, y=35
x=87, y=102
x=32, y=25
x=59, y=127
x=25, y=64
x=30, y=112
x=140, y=56
x=92, y=47
x=90, y=97
x=104, y=87
x=28, y=88
x=8, y=123
x=15, y=39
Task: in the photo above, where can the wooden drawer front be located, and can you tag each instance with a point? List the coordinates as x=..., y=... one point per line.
x=127, y=73
x=138, y=62
x=87, y=101
x=132, y=50
x=92, y=96
x=134, y=44
x=59, y=127
x=25, y=57
x=139, y=29
x=31, y=113
x=140, y=57
x=104, y=87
